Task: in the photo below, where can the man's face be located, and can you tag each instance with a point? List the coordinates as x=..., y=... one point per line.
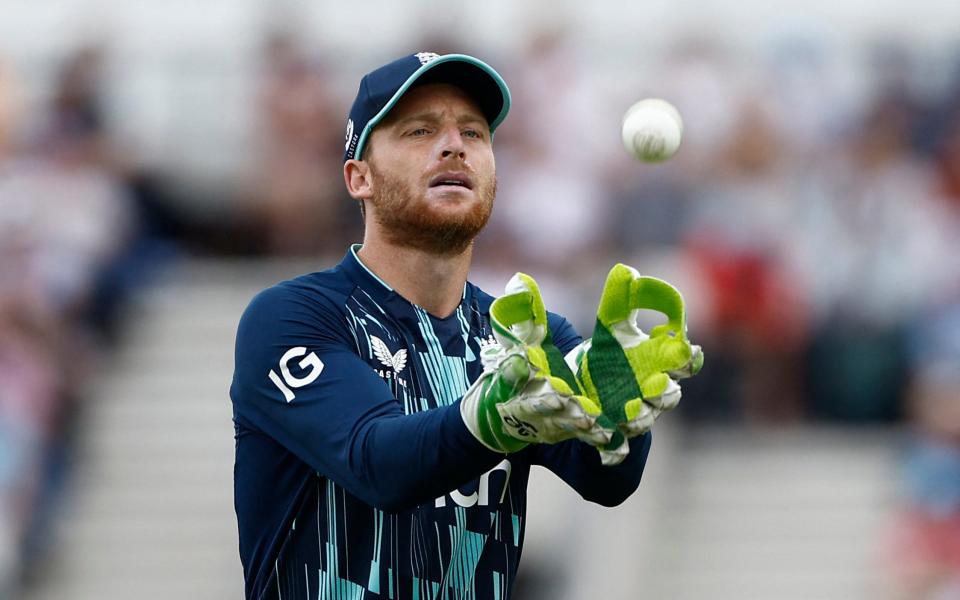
x=432, y=170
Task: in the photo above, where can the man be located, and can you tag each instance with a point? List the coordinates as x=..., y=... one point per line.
x=372, y=460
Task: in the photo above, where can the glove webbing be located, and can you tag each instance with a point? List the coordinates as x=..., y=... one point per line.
x=602, y=372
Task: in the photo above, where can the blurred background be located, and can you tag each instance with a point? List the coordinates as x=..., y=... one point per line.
x=160, y=162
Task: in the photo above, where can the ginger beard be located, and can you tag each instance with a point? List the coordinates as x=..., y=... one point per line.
x=408, y=219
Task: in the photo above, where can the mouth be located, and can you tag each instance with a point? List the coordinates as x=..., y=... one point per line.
x=452, y=179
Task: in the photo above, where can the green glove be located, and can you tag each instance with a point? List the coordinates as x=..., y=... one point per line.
x=631, y=375
x=527, y=393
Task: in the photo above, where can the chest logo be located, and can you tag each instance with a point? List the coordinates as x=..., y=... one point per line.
x=397, y=361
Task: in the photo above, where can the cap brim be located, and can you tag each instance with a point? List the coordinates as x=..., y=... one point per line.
x=476, y=77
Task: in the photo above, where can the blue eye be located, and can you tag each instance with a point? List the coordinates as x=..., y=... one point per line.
x=419, y=131
x=473, y=133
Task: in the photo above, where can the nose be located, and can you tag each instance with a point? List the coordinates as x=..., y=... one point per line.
x=452, y=144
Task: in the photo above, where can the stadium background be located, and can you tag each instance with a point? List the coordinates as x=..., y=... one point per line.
x=161, y=161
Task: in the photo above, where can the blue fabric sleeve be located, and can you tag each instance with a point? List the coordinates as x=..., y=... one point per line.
x=299, y=380
x=578, y=464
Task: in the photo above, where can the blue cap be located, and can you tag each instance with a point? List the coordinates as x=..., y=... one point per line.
x=380, y=90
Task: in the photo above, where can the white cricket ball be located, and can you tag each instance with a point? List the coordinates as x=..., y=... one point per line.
x=652, y=130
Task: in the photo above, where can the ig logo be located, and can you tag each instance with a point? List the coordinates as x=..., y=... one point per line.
x=310, y=363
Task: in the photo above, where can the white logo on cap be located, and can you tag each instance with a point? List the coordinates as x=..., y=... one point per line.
x=346, y=145
x=425, y=57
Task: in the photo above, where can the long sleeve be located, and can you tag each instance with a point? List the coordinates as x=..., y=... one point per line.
x=298, y=380
x=579, y=466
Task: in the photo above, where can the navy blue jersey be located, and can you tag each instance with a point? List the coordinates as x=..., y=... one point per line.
x=355, y=476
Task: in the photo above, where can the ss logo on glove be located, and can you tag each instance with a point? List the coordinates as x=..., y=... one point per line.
x=521, y=428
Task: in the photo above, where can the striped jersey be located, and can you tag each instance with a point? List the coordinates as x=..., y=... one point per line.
x=355, y=477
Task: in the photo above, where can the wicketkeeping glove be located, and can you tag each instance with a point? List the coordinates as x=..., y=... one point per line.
x=527, y=393
x=630, y=374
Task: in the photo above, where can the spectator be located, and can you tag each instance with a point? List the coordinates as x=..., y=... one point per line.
x=299, y=200
x=63, y=218
x=923, y=552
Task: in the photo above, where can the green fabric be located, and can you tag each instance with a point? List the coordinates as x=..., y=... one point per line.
x=526, y=306
x=507, y=311
x=611, y=380
x=622, y=367
x=493, y=388
x=533, y=395
x=558, y=366
x=519, y=321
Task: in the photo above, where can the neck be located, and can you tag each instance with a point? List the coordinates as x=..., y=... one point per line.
x=432, y=282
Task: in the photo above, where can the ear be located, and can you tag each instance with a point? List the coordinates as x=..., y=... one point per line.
x=356, y=175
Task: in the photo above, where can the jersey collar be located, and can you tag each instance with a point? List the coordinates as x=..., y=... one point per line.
x=379, y=289
x=356, y=266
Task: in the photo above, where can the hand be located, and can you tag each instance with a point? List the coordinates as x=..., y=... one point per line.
x=527, y=393
x=631, y=375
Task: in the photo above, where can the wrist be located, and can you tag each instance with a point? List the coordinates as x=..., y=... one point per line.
x=478, y=409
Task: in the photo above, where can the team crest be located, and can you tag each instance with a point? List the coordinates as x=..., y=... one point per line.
x=491, y=352
x=487, y=342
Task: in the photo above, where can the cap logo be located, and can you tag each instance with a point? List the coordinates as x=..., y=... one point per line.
x=346, y=145
x=425, y=57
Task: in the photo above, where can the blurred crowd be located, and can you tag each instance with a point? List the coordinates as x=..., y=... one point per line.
x=814, y=232
x=74, y=241
x=62, y=221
